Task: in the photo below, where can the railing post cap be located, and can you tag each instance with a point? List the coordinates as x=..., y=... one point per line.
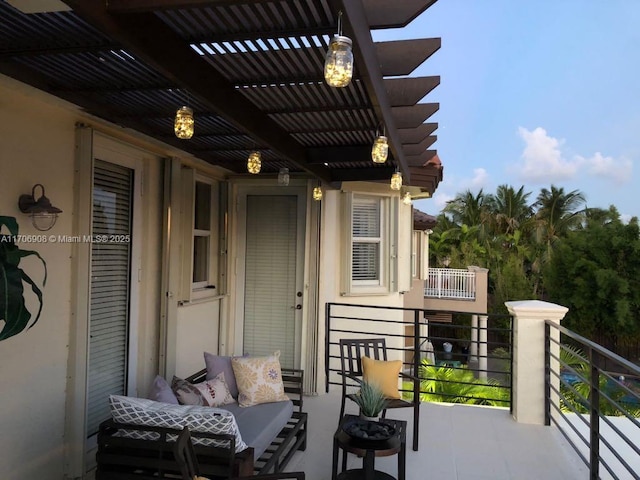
x=536, y=309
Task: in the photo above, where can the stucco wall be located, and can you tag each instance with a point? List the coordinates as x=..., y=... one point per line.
x=37, y=145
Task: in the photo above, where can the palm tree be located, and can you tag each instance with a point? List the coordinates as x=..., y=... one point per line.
x=557, y=213
x=510, y=209
x=468, y=209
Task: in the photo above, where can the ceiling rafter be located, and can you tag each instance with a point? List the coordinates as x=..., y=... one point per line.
x=148, y=38
x=357, y=27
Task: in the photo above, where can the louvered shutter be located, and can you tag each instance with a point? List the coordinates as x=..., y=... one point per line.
x=270, y=276
x=110, y=277
x=366, y=242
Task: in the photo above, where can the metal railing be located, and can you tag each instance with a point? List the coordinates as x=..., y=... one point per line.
x=593, y=397
x=450, y=283
x=465, y=371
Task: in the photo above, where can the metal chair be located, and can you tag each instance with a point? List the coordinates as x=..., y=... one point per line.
x=351, y=353
x=188, y=462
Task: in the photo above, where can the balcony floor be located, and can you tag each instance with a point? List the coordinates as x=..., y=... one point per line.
x=456, y=442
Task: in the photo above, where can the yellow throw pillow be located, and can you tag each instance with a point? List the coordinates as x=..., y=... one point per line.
x=384, y=374
x=259, y=379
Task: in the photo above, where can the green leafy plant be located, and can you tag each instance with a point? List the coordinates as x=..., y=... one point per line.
x=13, y=310
x=457, y=385
x=370, y=399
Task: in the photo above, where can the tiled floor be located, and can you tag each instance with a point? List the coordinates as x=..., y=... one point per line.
x=456, y=442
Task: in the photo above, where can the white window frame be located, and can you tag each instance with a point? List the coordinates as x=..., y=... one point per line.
x=209, y=287
x=383, y=285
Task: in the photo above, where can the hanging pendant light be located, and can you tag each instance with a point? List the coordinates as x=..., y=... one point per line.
x=283, y=177
x=338, y=64
x=317, y=194
x=254, y=162
x=380, y=149
x=184, y=122
x=407, y=198
x=396, y=181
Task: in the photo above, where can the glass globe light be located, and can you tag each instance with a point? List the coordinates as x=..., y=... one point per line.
x=184, y=122
x=406, y=199
x=317, y=194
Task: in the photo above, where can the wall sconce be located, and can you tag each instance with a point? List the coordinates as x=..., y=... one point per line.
x=254, y=162
x=317, y=194
x=396, y=181
x=380, y=148
x=283, y=177
x=43, y=214
x=184, y=123
x=338, y=64
x=407, y=198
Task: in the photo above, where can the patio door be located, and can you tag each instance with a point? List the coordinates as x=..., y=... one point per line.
x=272, y=268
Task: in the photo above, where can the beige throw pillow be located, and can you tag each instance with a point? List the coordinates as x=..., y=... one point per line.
x=259, y=379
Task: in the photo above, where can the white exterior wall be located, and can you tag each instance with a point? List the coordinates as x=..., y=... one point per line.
x=332, y=258
x=37, y=145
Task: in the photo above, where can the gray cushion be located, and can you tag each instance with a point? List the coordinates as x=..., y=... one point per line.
x=259, y=424
x=161, y=391
x=216, y=364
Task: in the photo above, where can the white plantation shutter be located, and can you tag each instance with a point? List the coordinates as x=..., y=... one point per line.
x=366, y=241
x=270, y=276
x=110, y=277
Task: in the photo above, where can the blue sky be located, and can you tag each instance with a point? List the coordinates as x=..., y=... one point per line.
x=535, y=94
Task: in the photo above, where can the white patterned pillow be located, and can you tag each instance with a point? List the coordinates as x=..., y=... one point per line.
x=212, y=393
x=141, y=411
x=215, y=391
x=259, y=379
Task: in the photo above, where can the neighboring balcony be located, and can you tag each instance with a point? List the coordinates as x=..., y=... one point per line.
x=452, y=289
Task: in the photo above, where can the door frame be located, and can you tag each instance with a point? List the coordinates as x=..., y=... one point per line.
x=91, y=144
x=299, y=190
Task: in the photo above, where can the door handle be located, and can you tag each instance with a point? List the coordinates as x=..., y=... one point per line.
x=297, y=307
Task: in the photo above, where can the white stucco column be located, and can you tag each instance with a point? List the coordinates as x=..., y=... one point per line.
x=482, y=347
x=529, y=357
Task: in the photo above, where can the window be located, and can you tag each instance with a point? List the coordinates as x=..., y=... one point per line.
x=201, y=235
x=371, y=260
x=367, y=241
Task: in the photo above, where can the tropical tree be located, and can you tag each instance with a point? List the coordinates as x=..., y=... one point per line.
x=557, y=213
x=594, y=272
x=469, y=209
x=509, y=210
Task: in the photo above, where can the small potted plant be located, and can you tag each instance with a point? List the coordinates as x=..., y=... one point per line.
x=371, y=401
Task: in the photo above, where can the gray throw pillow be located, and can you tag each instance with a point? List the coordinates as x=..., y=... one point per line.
x=217, y=364
x=161, y=391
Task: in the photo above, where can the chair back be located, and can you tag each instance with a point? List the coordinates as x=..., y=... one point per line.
x=185, y=456
x=352, y=351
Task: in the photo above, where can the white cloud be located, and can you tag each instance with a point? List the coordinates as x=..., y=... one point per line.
x=543, y=161
x=619, y=171
x=480, y=179
x=441, y=199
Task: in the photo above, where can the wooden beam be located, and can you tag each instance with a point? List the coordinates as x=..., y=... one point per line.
x=356, y=26
x=409, y=91
x=377, y=174
x=401, y=57
x=147, y=37
x=418, y=148
x=137, y=6
x=388, y=14
x=413, y=116
x=415, y=135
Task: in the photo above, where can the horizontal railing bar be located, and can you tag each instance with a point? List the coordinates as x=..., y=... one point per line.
x=598, y=348
x=566, y=436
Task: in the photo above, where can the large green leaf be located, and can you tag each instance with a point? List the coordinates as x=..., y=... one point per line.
x=13, y=310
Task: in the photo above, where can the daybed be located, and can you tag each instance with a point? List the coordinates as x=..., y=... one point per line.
x=272, y=433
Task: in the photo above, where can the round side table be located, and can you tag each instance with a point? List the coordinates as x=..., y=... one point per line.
x=369, y=450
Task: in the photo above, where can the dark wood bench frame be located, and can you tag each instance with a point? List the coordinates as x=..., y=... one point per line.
x=128, y=458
